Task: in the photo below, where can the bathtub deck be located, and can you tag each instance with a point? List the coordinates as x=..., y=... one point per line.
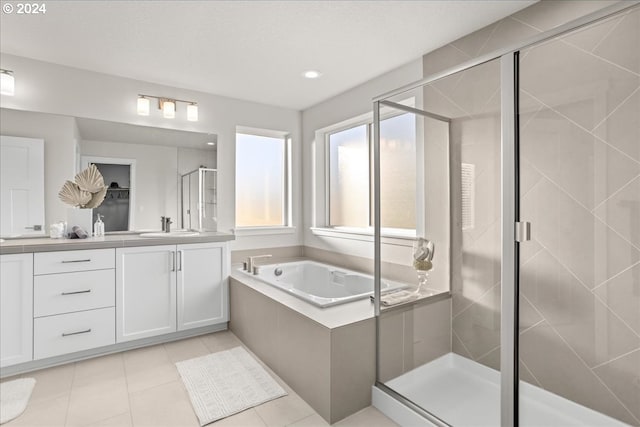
x=466, y=393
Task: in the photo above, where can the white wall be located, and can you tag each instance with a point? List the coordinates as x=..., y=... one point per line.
x=59, y=134
x=51, y=88
x=350, y=104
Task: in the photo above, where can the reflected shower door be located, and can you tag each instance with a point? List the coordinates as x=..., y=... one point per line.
x=579, y=188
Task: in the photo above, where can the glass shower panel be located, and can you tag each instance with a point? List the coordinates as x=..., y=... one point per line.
x=580, y=190
x=440, y=351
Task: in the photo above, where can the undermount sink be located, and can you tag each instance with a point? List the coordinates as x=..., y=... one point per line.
x=177, y=233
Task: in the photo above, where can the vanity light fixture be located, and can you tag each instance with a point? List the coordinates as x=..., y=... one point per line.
x=7, y=82
x=143, y=106
x=168, y=107
x=192, y=112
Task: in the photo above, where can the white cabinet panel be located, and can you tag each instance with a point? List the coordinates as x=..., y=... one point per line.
x=16, y=309
x=68, y=292
x=145, y=292
x=67, y=333
x=202, y=284
x=68, y=261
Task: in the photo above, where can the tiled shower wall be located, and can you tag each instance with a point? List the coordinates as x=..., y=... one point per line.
x=580, y=189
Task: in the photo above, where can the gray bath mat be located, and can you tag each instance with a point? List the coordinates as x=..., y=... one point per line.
x=225, y=383
x=14, y=396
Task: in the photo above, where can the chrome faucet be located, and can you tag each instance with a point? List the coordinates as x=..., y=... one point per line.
x=166, y=223
x=251, y=260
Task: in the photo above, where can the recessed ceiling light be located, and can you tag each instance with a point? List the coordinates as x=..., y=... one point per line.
x=311, y=74
x=211, y=143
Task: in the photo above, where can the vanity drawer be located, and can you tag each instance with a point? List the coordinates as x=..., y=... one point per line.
x=69, y=261
x=69, y=292
x=68, y=333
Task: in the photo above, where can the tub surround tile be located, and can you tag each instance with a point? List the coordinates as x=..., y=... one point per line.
x=391, y=345
x=277, y=254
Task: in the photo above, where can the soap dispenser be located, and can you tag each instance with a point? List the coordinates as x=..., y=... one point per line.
x=98, y=227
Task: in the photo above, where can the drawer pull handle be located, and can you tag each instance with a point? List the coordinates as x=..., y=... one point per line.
x=76, y=260
x=67, y=334
x=76, y=292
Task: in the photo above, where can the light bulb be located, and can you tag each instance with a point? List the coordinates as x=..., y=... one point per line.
x=311, y=74
x=192, y=112
x=169, y=109
x=143, y=106
x=7, y=83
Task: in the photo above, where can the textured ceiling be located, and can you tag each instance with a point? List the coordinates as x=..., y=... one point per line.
x=252, y=50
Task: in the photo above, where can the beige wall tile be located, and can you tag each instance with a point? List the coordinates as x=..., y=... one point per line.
x=580, y=86
x=622, y=211
x=586, y=324
x=622, y=128
x=622, y=295
x=278, y=253
x=621, y=45
x=541, y=348
x=478, y=327
x=391, y=345
x=579, y=163
x=549, y=14
x=615, y=375
x=431, y=332
x=507, y=31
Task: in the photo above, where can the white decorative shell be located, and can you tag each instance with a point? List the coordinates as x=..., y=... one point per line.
x=72, y=194
x=90, y=179
x=97, y=198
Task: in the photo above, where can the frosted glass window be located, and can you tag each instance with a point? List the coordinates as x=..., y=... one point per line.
x=349, y=181
x=261, y=175
x=351, y=174
x=398, y=172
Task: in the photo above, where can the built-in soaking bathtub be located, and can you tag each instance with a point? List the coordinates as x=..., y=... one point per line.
x=320, y=284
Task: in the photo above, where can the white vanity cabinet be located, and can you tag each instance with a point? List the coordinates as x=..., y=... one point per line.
x=163, y=289
x=73, y=301
x=16, y=309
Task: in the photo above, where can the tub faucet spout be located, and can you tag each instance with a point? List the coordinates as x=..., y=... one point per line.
x=251, y=261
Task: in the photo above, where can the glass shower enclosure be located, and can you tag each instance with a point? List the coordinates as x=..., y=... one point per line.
x=528, y=183
x=199, y=200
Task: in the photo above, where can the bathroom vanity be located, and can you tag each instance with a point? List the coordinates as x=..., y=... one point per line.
x=64, y=300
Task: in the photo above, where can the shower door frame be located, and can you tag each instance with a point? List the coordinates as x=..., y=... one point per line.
x=509, y=147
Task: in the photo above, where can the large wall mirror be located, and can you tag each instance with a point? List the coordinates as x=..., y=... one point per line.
x=142, y=167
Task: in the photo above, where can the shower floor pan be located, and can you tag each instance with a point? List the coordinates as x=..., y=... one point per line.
x=465, y=393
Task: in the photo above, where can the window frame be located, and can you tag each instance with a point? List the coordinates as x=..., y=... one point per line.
x=286, y=226
x=327, y=229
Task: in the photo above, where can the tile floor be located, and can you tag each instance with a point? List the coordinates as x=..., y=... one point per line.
x=142, y=388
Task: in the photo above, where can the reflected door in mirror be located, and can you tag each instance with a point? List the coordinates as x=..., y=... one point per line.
x=22, y=186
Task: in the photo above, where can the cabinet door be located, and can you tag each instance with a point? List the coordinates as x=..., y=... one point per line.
x=203, y=284
x=145, y=292
x=16, y=309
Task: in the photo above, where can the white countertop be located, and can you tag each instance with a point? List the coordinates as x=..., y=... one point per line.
x=46, y=244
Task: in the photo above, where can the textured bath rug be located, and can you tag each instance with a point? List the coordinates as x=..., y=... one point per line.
x=225, y=383
x=14, y=396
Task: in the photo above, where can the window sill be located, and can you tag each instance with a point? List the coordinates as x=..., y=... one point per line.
x=398, y=238
x=263, y=231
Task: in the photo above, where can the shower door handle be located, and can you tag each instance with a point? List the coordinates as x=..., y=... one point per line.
x=523, y=231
